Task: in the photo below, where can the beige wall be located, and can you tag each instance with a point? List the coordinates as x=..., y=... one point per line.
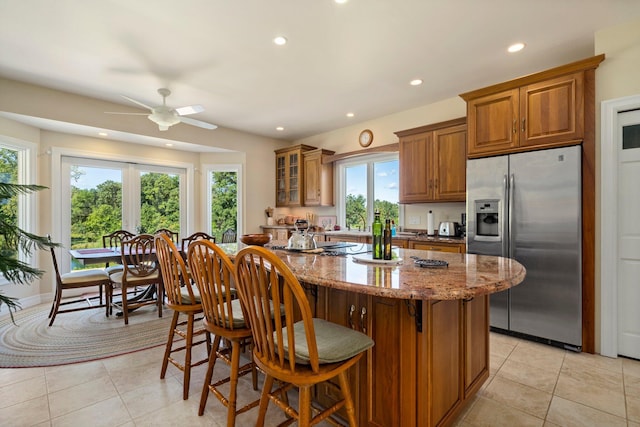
x=617, y=77
x=255, y=154
x=346, y=139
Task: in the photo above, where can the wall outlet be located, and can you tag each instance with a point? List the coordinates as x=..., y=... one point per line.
x=414, y=220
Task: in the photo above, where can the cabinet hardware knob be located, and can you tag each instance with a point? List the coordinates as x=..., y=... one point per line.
x=352, y=309
x=515, y=126
x=523, y=122
x=363, y=318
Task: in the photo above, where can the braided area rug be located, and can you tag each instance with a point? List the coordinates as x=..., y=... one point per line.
x=79, y=336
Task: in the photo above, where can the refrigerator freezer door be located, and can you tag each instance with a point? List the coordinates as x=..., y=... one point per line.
x=486, y=191
x=546, y=239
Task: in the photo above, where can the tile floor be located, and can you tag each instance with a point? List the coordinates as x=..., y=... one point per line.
x=530, y=385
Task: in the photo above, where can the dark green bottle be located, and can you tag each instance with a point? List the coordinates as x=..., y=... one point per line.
x=376, y=229
x=386, y=240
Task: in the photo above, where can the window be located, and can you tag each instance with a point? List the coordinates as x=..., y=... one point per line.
x=16, y=166
x=364, y=185
x=224, y=208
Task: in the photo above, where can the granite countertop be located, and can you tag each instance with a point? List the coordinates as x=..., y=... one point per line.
x=466, y=276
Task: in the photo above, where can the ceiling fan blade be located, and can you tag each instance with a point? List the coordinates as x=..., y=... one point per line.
x=198, y=123
x=189, y=109
x=126, y=114
x=137, y=102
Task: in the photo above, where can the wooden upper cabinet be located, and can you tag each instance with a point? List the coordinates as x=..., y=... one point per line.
x=318, y=178
x=414, y=160
x=533, y=112
x=450, y=163
x=290, y=175
x=433, y=163
x=552, y=110
x=492, y=122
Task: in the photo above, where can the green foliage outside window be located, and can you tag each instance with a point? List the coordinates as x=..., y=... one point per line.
x=224, y=208
x=356, y=211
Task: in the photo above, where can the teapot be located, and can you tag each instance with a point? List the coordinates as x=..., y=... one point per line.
x=301, y=239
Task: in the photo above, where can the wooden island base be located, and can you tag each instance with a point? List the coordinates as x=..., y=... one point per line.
x=430, y=357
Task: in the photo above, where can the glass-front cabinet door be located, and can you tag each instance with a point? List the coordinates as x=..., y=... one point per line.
x=289, y=175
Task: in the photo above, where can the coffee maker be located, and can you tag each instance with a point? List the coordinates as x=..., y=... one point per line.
x=463, y=224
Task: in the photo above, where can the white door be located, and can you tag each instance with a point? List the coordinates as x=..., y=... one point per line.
x=628, y=234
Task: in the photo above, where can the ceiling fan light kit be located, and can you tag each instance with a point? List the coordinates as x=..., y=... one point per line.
x=165, y=116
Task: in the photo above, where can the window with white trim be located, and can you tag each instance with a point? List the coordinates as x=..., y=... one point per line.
x=366, y=184
x=17, y=166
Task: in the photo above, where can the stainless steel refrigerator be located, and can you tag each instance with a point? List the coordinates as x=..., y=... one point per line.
x=527, y=206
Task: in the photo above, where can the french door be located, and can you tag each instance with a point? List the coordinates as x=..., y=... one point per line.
x=100, y=196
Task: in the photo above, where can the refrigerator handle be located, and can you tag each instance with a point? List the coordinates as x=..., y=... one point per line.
x=511, y=214
x=505, y=230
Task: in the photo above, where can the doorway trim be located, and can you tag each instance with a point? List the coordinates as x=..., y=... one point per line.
x=609, y=220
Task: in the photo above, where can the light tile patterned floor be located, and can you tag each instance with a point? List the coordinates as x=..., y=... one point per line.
x=530, y=385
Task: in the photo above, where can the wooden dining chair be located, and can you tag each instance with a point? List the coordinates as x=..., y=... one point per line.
x=298, y=353
x=175, y=238
x=140, y=269
x=212, y=272
x=229, y=236
x=75, y=280
x=198, y=235
x=114, y=241
x=184, y=299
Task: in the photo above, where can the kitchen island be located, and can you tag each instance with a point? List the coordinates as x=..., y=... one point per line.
x=430, y=327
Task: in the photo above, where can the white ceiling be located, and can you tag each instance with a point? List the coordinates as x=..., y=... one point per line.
x=354, y=57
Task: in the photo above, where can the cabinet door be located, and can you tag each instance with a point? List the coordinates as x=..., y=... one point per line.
x=552, y=111
x=295, y=178
x=281, y=180
x=392, y=401
x=312, y=172
x=445, y=385
x=416, y=184
x=476, y=346
x=345, y=308
x=450, y=164
x=492, y=123
x=437, y=247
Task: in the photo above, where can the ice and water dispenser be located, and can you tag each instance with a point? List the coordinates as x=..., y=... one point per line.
x=487, y=218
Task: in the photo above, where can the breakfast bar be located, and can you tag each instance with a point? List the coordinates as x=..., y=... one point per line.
x=430, y=327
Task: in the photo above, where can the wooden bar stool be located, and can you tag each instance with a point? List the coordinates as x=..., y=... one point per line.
x=297, y=353
x=183, y=298
x=212, y=271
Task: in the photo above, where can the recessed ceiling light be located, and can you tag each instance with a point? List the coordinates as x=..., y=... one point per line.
x=280, y=40
x=340, y=1
x=279, y=128
x=415, y=82
x=516, y=47
x=350, y=114
x=103, y=134
x=168, y=144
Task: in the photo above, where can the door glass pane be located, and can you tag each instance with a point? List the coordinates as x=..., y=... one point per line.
x=631, y=137
x=96, y=206
x=224, y=206
x=385, y=189
x=159, y=202
x=356, y=197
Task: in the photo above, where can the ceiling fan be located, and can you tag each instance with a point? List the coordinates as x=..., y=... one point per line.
x=165, y=116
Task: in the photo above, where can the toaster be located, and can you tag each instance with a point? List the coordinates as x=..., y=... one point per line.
x=448, y=229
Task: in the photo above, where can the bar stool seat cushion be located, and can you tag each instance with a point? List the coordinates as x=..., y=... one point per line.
x=335, y=343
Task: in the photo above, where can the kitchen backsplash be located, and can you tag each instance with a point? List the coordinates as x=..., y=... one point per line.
x=415, y=215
